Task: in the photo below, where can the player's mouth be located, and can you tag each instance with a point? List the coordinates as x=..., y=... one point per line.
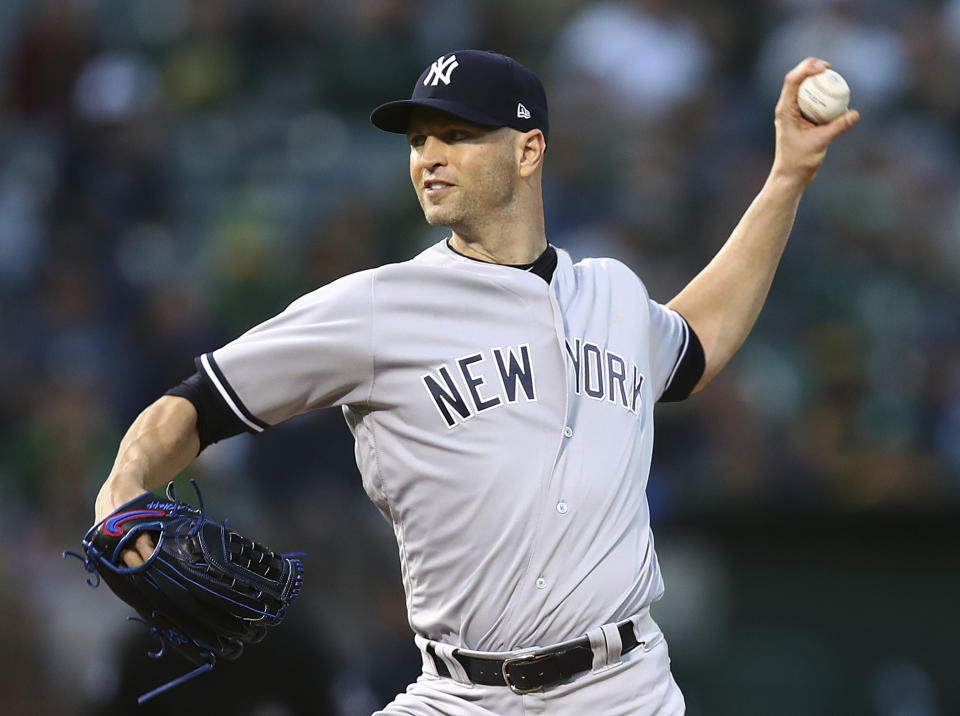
x=435, y=187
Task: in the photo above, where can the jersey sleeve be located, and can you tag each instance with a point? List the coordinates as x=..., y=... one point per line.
x=676, y=356
x=318, y=353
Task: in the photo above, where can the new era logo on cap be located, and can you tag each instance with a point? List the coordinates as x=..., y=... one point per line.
x=483, y=87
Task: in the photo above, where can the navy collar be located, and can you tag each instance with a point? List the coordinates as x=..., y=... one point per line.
x=544, y=265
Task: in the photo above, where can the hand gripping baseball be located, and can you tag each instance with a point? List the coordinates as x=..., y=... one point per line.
x=206, y=591
x=802, y=145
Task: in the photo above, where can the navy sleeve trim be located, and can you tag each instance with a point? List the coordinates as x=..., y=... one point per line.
x=689, y=368
x=208, y=365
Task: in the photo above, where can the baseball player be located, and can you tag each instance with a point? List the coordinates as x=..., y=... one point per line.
x=501, y=398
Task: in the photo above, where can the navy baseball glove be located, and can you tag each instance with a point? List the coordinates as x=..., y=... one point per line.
x=205, y=592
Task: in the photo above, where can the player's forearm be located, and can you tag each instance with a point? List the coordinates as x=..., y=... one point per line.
x=160, y=443
x=723, y=301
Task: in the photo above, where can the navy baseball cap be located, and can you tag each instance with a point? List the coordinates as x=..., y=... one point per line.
x=477, y=85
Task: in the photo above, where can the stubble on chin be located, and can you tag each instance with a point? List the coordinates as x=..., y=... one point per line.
x=440, y=214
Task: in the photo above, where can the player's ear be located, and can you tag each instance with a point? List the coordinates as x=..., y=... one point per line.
x=531, y=147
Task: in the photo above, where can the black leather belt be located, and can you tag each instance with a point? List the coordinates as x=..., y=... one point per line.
x=532, y=672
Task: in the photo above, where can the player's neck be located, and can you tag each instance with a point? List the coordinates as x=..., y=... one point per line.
x=513, y=242
x=507, y=250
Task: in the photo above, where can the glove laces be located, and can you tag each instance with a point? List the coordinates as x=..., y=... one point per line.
x=165, y=639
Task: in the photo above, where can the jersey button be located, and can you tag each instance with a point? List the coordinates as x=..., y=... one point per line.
x=568, y=432
x=562, y=507
x=541, y=582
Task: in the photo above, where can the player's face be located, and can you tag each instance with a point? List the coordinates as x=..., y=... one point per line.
x=464, y=173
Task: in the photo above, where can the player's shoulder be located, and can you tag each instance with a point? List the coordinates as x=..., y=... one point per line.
x=351, y=287
x=610, y=271
x=360, y=287
x=604, y=264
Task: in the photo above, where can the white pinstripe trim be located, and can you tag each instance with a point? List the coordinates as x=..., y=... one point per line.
x=226, y=395
x=683, y=352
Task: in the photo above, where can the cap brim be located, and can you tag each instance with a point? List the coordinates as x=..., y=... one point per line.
x=395, y=116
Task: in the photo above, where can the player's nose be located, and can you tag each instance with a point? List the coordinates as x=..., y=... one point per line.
x=433, y=152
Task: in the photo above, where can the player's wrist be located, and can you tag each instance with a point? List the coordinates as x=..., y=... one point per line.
x=115, y=493
x=788, y=182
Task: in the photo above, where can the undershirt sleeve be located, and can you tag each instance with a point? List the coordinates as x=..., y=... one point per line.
x=215, y=419
x=689, y=369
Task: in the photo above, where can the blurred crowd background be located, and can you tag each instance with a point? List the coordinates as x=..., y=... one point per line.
x=173, y=172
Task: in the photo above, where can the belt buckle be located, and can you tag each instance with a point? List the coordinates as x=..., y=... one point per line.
x=516, y=660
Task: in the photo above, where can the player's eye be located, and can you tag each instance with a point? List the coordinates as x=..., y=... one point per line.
x=417, y=140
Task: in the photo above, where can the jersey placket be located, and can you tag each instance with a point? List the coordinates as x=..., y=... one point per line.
x=539, y=578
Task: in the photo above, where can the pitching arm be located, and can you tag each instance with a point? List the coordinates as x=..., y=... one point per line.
x=723, y=301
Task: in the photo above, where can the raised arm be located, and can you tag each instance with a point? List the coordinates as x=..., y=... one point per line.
x=161, y=442
x=723, y=301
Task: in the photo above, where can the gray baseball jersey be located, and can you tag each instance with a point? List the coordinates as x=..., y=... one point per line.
x=503, y=425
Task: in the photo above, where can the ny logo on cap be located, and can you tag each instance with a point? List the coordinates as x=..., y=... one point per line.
x=440, y=70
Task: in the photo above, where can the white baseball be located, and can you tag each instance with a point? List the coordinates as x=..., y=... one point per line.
x=823, y=97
